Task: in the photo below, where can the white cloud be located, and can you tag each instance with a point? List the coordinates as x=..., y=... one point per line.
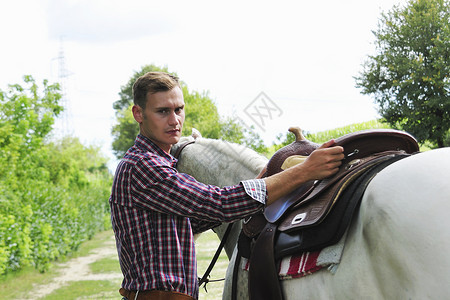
x=302, y=54
x=105, y=21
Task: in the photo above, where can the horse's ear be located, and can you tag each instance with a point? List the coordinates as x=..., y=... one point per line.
x=196, y=134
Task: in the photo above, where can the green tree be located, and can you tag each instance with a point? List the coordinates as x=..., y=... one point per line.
x=201, y=114
x=53, y=194
x=124, y=131
x=409, y=75
x=29, y=111
x=26, y=118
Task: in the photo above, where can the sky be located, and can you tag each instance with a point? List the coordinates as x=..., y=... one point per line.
x=267, y=64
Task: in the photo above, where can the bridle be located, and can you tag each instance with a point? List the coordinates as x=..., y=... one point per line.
x=182, y=146
x=204, y=279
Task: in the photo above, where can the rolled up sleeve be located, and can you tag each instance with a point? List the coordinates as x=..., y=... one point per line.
x=256, y=189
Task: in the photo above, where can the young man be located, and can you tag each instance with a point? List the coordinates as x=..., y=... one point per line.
x=155, y=210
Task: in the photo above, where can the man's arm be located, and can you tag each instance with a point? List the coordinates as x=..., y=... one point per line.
x=321, y=163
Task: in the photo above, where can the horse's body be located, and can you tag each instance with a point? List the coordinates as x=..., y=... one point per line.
x=398, y=245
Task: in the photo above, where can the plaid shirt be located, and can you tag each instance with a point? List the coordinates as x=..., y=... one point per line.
x=155, y=210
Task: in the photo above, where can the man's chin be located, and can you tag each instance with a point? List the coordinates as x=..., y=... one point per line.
x=174, y=139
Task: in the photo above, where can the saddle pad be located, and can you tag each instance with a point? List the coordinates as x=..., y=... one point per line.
x=308, y=262
x=294, y=266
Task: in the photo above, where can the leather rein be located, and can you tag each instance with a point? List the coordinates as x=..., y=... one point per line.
x=205, y=278
x=182, y=146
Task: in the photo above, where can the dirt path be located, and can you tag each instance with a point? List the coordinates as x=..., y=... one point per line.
x=78, y=269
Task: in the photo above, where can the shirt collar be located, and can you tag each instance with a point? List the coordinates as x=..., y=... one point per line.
x=144, y=143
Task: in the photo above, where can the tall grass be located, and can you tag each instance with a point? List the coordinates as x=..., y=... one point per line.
x=323, y=136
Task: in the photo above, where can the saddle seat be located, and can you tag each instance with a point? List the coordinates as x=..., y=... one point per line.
x=317, y=214
x=358, y=149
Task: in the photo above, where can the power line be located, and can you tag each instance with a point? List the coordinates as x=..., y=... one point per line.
x=63, y=124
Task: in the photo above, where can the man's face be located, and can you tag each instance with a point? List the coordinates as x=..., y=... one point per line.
x=163, y=117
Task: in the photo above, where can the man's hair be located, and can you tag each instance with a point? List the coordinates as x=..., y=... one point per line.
x=152, y=82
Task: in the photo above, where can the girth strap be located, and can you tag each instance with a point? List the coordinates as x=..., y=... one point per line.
x=270, y=289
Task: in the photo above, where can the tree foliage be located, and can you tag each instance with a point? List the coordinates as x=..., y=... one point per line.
x=409, y=75
x=53, y=194
x=201, y=114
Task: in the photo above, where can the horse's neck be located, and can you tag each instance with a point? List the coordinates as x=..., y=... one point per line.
x=222, y=164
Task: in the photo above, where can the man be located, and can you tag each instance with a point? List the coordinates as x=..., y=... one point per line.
x=155, y=210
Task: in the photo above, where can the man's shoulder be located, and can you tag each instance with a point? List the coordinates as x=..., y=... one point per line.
x=135, y=155
x=139, y=156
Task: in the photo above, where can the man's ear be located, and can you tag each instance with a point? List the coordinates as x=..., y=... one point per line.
x=137, y=113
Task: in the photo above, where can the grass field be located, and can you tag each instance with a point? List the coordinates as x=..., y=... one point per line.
x=104, y=277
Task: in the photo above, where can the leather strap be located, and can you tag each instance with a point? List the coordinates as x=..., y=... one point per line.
x=271, y=288
x=204, y=279
x=154, y=295
x=234, y=281
x=182, y=146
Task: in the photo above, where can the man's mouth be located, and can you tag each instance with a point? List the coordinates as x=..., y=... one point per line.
x=172, y=131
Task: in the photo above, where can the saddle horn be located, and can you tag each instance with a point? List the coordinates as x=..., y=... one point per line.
x=301, y=146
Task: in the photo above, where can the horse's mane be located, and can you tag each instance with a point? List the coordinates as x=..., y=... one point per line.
x=239, y=153
x=243, y=155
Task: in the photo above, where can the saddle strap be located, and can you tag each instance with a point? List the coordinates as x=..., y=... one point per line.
x=264, y=285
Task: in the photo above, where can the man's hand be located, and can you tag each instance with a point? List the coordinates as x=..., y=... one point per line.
x=324, y=161
x=321, y=163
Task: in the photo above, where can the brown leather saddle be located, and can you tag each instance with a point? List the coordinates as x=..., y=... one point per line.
x=318, y=213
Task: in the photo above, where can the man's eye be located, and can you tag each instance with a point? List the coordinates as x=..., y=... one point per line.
x=163, y=111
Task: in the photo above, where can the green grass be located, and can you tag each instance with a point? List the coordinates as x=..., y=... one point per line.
x=206, y=246
x=323, y=136
x=105, y=265
x=21, y=285
x=97, y=241
x=326, y=135
x=88, y=289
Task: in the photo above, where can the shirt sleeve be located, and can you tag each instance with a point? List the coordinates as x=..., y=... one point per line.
x=159, y=187
x=256, y=189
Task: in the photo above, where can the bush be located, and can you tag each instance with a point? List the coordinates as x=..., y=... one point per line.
x=53, y=195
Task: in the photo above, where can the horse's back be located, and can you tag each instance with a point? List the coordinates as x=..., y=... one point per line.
x=397, y=246
x=405, y=226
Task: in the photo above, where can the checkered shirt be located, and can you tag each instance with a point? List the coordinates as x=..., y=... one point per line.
x=155, y=210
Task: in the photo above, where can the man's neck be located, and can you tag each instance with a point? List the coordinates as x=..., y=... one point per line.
x=164, y=147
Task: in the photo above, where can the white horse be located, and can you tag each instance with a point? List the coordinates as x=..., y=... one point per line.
x=398, y=244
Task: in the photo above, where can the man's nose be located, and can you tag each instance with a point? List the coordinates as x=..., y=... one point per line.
x=173, y=119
